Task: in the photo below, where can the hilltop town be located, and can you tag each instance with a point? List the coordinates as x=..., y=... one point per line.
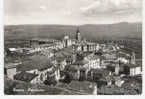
x=72, y=65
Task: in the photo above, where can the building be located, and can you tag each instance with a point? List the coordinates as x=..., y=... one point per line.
x=132, y=70
x=67, y=41
x=74, y=72
x=45, y=44
x=78, y=35
x=86, y=46
x=95, y=89
x=124, y=60
x=110, y=56
x=44, y=75
x=133, y=58
x=127, y=69
x=38, y=75
x=10, y=69
x=117, y=69
x=59, y=45
x=83, y=64
x=118, y=81
x=25, y=76
x=92, y=47
x=123, y=57
x=59, y=62
x=94, y=61
x=39, y=65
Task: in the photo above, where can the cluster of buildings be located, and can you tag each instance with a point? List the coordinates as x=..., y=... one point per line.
x=76, y=56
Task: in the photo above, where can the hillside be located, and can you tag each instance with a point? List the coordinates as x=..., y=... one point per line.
x=90, y=31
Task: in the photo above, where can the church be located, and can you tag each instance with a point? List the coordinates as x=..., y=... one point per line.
x=79, y=44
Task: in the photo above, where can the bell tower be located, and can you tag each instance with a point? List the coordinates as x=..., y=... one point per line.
x=78, y=34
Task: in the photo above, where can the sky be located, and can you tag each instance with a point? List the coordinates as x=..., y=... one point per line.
x=71, y=12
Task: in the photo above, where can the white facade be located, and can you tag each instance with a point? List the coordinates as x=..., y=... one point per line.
x=36, y=80
x=42, y=75
x=57, y=75
x=94, y=64
x=67, y=41
x=123, y=60
x=11, y=72
x=135, y=71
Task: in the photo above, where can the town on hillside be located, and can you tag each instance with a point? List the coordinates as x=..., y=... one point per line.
x=72, y=65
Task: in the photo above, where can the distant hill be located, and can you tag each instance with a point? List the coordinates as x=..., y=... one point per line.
x=90, y=31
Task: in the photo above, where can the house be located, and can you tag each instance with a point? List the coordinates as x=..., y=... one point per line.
x=110, y=56
x=67, y=41
x=92, y=46
x=119, y=82
x=123, y=60
x=133, y=69
x=97, y=74
x=55, y=74
x=45, y=44
x=39, y=65
x=38, y=76
x=113, y=67
x=94, y=61
x=59, y=62
x=10, y=69
x=35, y=62
x=128, y=69
x=25, y=76
x=59, y=45
x=123, y=57
x=73, y=71
x=108, y=48
x=80, y=68
x=42, y=74
x=52, y=73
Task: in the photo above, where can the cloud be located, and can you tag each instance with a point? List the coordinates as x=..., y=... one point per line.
x=112, y=6
x=71, y=11
x=112, y=11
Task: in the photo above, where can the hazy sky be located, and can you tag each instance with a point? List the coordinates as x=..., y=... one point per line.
x=71, y=11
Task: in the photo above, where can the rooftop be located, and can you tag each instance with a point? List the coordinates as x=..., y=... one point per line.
x=43, y=39
x=35, y=62
x=24, y=76
x=81, y=62
x=130, y=65
x=11, y=65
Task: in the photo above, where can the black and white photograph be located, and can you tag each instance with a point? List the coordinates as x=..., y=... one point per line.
x=72, y=47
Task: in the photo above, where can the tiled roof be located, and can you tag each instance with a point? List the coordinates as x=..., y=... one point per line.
x=10, y=65
x=35, y=62
x=81, y=62
x=43, y=39
x=24, y=76
x=130, y=65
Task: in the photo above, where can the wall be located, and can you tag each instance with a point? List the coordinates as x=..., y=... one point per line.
x=11, y=72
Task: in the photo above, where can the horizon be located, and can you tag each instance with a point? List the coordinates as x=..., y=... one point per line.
x=139, y=22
